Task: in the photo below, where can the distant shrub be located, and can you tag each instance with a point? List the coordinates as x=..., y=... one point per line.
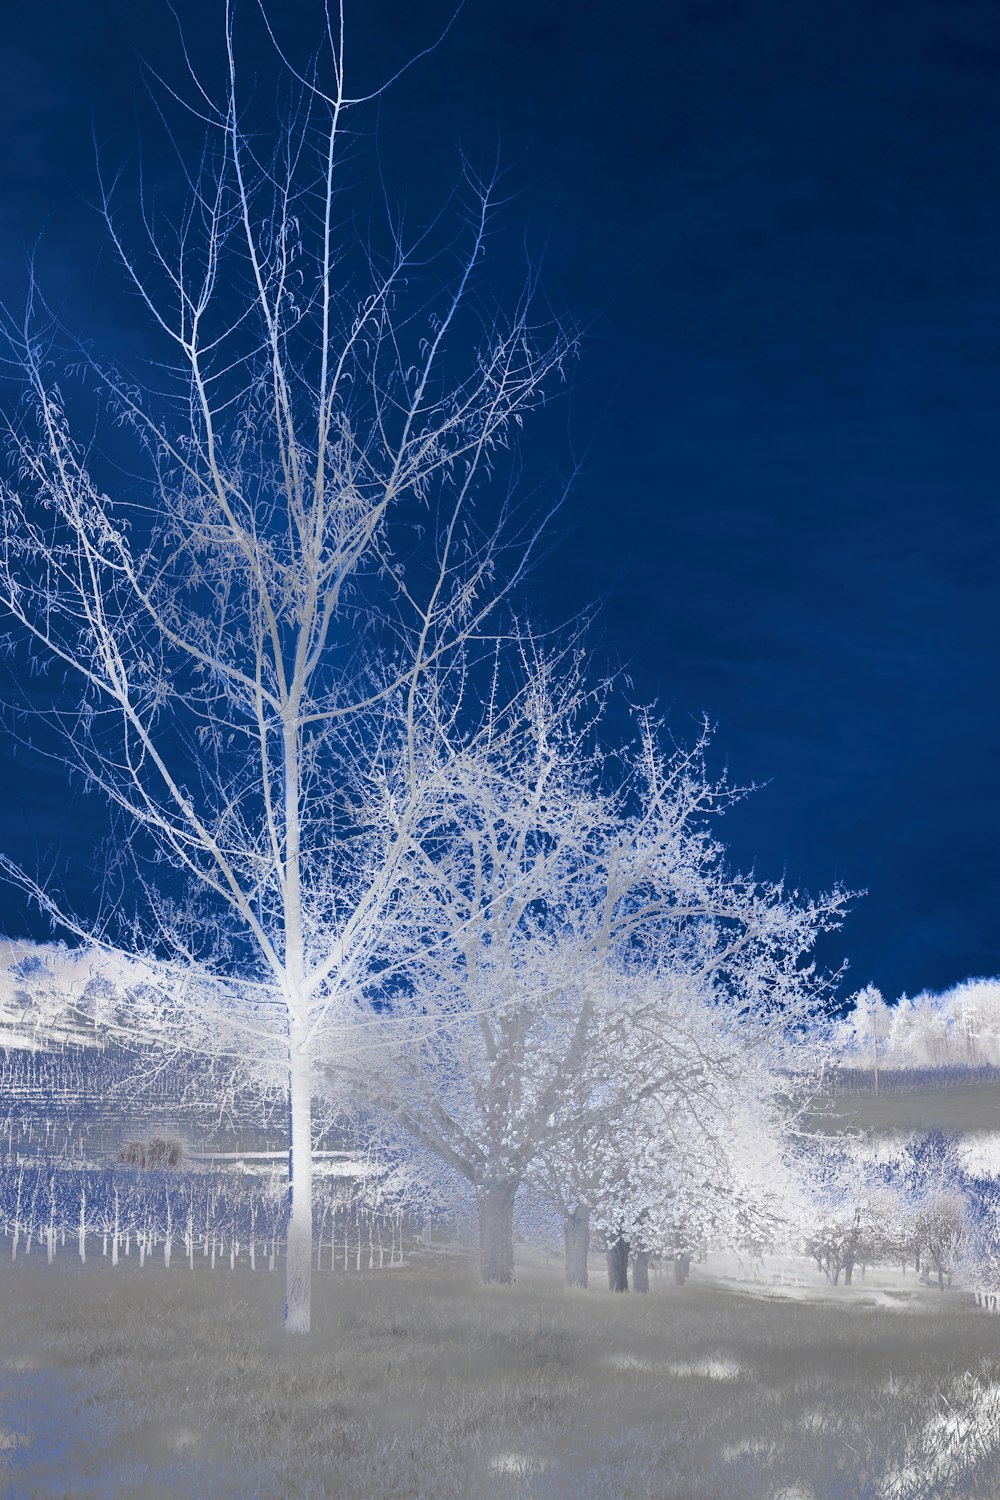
x=156, y=1155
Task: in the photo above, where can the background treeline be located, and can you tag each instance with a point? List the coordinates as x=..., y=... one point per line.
x=959, y=1028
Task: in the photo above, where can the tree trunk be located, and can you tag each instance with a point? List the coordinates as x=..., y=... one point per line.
x=496, y=1232
x=848, y=1270
x=618, y=1265
x=682, y=1265
x=576, y=1228
x=298, y=1260
x=640, y=1271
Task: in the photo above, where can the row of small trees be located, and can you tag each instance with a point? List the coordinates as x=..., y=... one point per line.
x=920, y=1207
x=211, y=1215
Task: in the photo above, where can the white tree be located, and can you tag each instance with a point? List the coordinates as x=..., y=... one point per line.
x=250, y=630
x=933, y=1180
x=710, y=983
x=589, y=892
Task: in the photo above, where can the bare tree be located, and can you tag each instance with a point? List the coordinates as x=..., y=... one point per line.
x=252, y=627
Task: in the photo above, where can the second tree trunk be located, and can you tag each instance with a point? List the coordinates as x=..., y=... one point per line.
x=496, y=1232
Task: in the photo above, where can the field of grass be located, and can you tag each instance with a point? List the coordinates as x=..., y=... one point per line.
x=420, y=1385
x=967, y=1107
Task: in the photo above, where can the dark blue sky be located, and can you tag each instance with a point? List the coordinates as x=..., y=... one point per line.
x=786, y=218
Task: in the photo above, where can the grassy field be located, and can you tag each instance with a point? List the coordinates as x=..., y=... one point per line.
x=968, y=1107
x=420, y=1385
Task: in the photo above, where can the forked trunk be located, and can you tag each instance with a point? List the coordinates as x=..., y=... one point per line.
x=496, y=1232
x=576, y=1227
x=618, y=1265
x=640, y=1271
x=298, y=1261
